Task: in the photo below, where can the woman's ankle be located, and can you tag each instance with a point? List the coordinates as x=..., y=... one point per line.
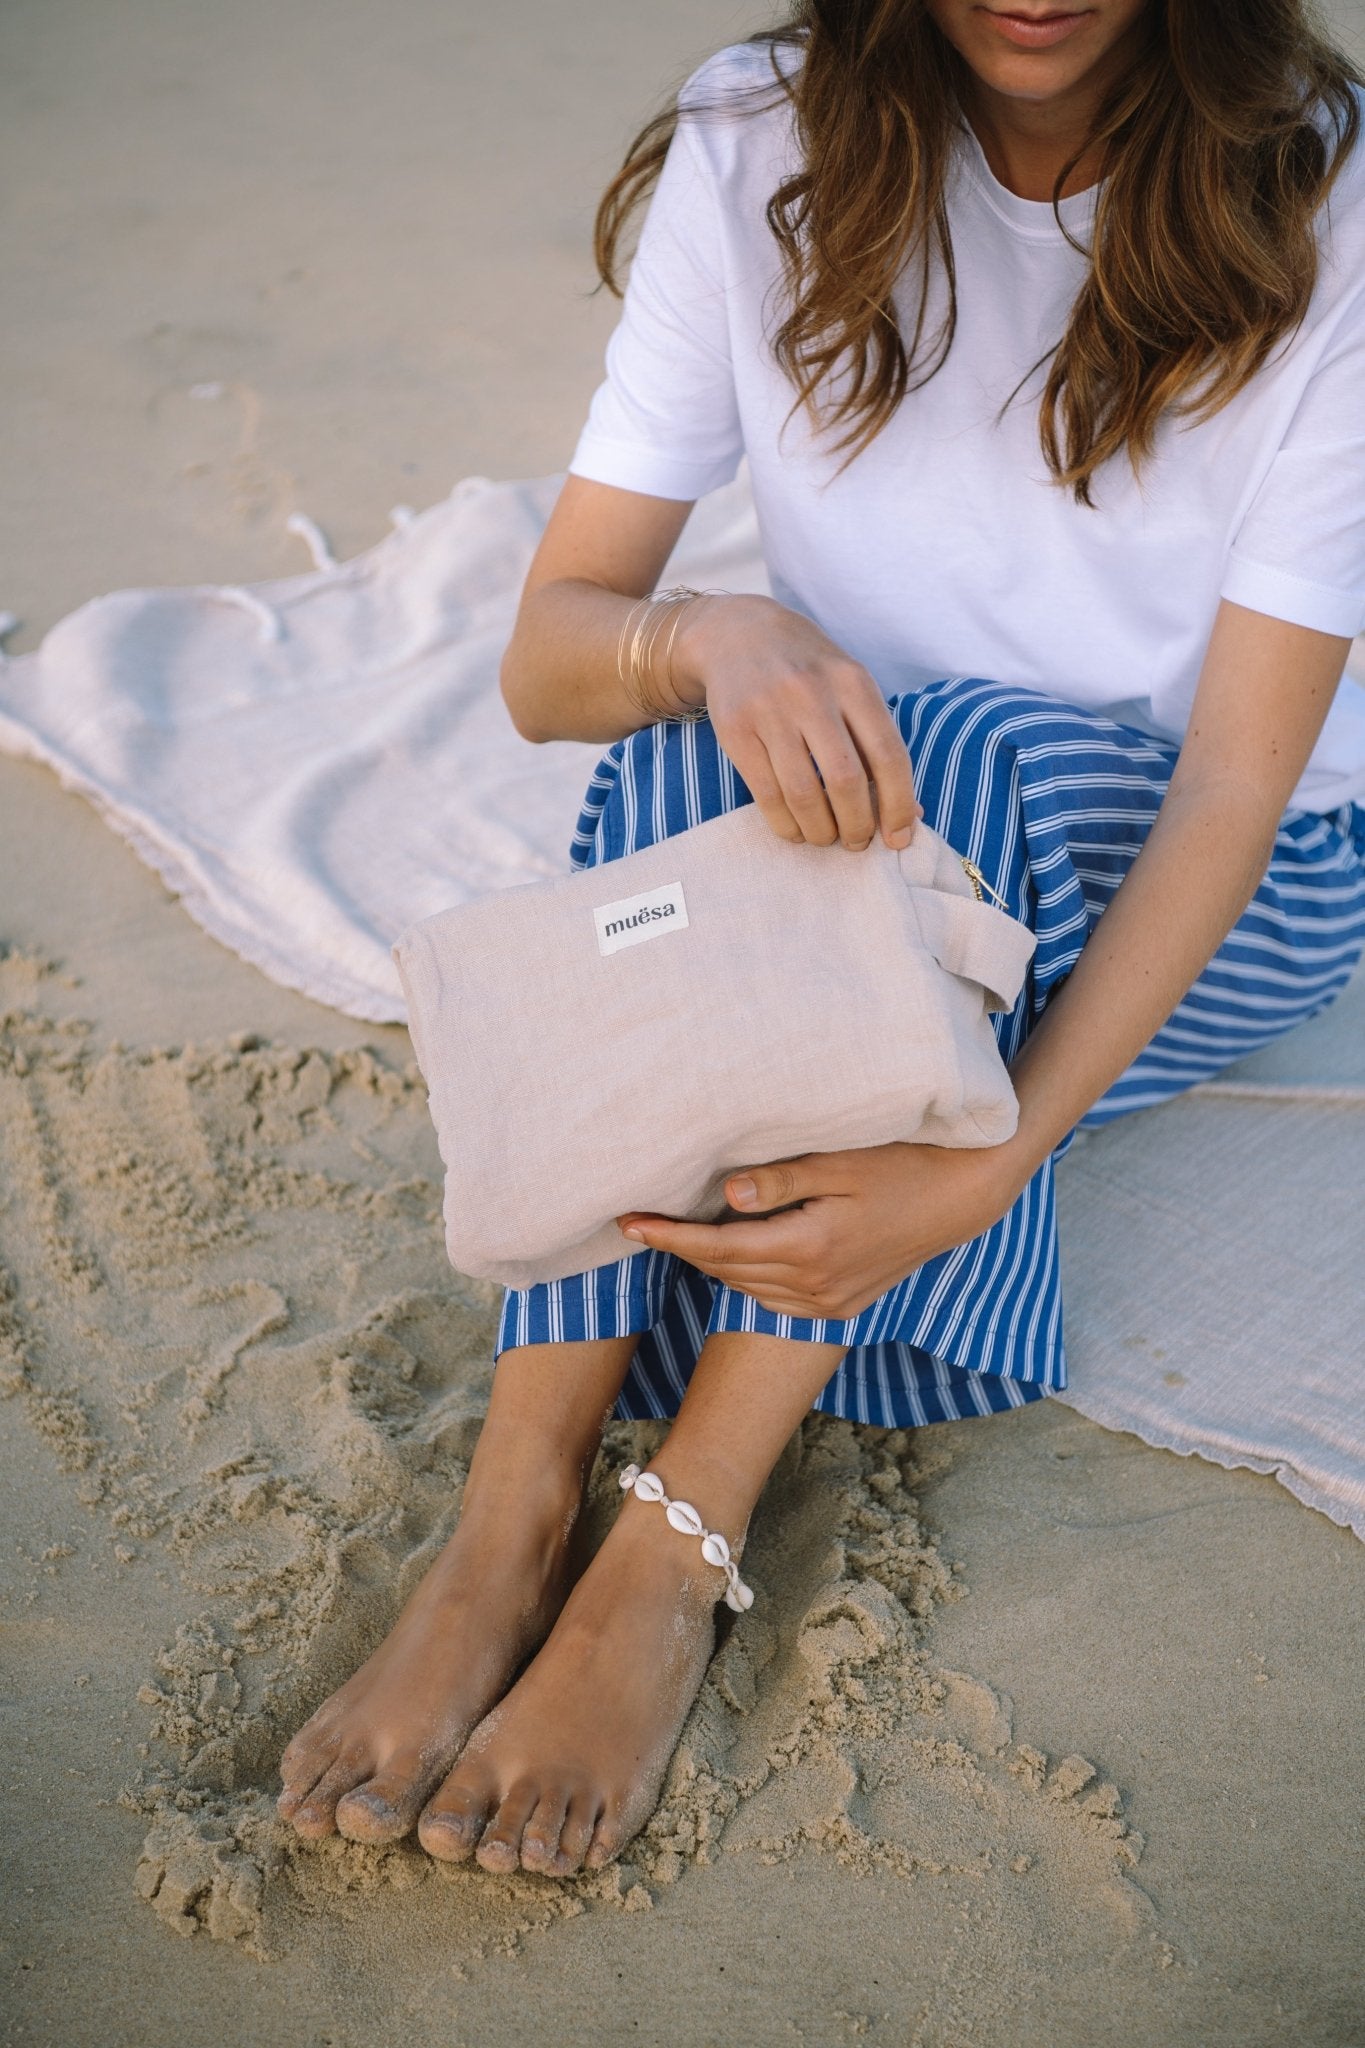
x=549, y=1406
x=521, y=1499
x=748, y=1392
x=723, y=1492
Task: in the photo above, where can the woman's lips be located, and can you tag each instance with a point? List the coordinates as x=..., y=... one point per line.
x=1035, y=31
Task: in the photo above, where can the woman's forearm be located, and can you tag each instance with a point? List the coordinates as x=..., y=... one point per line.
x=560, y=677
x=1202, y=863
x=602, y=549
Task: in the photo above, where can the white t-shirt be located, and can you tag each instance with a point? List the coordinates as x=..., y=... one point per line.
x=945, y=548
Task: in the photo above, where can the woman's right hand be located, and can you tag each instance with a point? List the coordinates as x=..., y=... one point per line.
x=805, y=725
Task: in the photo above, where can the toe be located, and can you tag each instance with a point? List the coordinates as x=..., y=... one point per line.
x=607, y=1842
x=500, y=1844
x=385, y=1807
x=301, y=1766
x=540, y=1836
x=580, y=1824
x=311, y=1749
x=452, y=1823
x=316, y=1817
x=305, y=1758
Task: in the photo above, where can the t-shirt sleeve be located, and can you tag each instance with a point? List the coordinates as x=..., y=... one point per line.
x=1300, y=552
x=666, y=420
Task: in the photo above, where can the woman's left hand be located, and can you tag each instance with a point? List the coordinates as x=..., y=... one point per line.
x=866, y=1219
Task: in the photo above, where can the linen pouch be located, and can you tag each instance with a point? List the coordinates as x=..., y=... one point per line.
x=627, y=1036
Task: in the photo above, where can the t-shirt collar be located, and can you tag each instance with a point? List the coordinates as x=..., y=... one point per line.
x=1033, y=217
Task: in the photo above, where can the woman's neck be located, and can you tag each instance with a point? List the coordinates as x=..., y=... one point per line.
x=1027, y=145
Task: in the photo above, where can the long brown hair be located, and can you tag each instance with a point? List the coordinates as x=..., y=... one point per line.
x=1218, y=146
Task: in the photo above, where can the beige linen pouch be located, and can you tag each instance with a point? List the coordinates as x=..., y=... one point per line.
x=627, y=1036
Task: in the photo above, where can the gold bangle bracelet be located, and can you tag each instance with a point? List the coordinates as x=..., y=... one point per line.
x=636, y=671
x=625, y=631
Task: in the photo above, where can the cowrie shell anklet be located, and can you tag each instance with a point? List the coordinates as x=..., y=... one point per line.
x=683, y=1517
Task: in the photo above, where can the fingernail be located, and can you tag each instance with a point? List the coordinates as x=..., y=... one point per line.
x=900, y=838
x=634, y=1230
x=743, y=1191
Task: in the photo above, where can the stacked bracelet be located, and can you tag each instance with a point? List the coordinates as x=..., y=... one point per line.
x=683, y=1517
x=640, y=632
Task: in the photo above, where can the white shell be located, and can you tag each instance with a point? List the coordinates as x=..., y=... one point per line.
x=683, y=1517
x=743, y=1596
x=629, y=1477
x=649, y=1486
x=715, y=1549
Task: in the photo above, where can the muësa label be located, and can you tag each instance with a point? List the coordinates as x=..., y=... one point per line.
x=634, y=919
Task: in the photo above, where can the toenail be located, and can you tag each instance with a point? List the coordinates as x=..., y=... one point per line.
x=448, y=1824
x=375, y=1802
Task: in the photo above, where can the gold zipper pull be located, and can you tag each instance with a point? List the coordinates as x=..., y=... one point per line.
x=980, y=884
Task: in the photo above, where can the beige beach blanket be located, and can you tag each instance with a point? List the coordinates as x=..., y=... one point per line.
x=1213, y=1265
x=313, y=764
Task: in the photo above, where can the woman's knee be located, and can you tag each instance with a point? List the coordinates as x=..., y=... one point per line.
x=964, y=740
x=671, y=776
x=963, y=737
x=964, y=721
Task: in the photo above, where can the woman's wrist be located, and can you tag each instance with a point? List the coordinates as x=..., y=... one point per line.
x=1038, y=1132
x=687, y=671
x=645, y=654
x=710, y=621
x=1003, y=1172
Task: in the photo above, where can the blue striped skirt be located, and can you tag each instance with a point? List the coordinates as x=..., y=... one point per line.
x=1053, y=804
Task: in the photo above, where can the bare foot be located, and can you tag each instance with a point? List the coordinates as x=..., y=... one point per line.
x=568, y=1768
x=370, y=1756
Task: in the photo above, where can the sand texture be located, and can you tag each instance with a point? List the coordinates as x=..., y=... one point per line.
x=1036, y=1737
x=241, y=1389
x=227, y=1317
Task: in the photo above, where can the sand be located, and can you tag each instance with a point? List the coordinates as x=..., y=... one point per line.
x=1035, y=1735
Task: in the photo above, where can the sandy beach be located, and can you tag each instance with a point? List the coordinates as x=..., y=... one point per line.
x=1038, y=1737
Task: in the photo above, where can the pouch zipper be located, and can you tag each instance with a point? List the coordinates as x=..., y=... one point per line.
x=981, y=888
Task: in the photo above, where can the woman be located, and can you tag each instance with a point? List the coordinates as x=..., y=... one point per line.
x=1047, y=354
